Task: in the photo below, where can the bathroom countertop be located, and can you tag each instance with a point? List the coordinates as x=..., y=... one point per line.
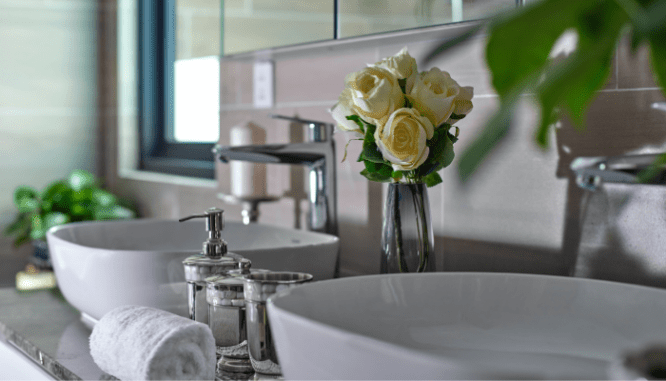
x=46, y=328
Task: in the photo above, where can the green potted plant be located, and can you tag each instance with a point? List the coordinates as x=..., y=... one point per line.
x=75, y=198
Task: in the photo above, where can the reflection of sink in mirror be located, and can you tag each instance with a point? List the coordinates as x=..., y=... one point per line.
x=102, y=265
x=462, y=326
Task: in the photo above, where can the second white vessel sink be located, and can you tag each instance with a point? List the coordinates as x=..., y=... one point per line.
x=463, y=326
x=102, y=265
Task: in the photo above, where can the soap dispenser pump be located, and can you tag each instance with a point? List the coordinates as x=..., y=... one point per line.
x=214, y=259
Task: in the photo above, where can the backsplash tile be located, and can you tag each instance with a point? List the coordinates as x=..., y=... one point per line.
x=319, y=78
x=618, y=122
x=634, y=70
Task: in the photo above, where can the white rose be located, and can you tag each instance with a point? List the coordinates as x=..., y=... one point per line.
x=341, y=110
x=402, y=139
x=403, y=66
x=436, y=95
x=462, y=105
x=373, y=94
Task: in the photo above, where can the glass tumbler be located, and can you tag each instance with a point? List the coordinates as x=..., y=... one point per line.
x=257, y=289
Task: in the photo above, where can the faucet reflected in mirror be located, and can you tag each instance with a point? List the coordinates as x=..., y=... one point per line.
x=317, y=154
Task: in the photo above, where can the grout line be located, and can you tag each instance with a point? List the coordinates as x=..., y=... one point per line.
x=617, y=69
x=327, y=104
x=618, y=90
x=330, y=103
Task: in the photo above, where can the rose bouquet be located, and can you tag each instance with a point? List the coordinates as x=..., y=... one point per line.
x=404, y=117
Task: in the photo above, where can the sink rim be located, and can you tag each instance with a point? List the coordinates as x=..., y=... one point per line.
x=278, y=306
x=56, y=232
x=151, y=270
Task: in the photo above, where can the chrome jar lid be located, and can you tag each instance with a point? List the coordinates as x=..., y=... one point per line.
x=227, y=289
x=260, y=286
x=199, y=267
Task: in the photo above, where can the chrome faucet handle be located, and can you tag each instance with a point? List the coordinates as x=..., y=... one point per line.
x=319, y=131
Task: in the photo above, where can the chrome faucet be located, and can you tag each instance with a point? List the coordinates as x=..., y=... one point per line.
x=318, y=154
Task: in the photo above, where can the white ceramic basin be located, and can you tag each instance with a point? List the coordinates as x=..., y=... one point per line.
x=15, y=366
x=462, y=326
x=102, y=265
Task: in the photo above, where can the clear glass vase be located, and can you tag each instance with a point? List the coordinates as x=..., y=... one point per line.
x=407, y=237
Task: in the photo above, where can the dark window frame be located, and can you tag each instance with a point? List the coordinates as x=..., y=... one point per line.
x=156, y=89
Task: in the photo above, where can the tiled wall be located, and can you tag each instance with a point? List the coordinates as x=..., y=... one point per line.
x=47, y=96
x=519, y=213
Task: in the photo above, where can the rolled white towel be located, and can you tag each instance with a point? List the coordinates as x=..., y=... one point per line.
x=141, y=343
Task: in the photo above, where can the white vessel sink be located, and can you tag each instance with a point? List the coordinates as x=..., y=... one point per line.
x=462, y=326
x=16, y=366
x=102, y=265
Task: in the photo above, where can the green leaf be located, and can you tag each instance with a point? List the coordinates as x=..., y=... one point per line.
x=656, y=18
x=370, y=150
x=384, y=170
x=574, y=82
x=653, y=171
x=371, y=153
x=518, y=45
x=397, y=175
x=27, y=205
x=20, y=223
x=25, y=199
x=432, y=179
x=80, y=179
x=452, y=138
x=58, y=197
x=375, y=176
x=54, y=219
x=38, y=230
x=103, y=198
x=22, y=239
x=441, y=154
x=408, y=101
x=362, y=124
x=113, y=212
x=403, y=84
x=83, y=196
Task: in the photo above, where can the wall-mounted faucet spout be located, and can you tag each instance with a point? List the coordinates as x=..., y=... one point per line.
x=318, y=154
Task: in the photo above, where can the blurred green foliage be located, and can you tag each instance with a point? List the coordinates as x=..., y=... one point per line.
x=518, y=53
x=76, y=198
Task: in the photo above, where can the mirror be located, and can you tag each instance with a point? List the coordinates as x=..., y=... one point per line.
x=208, y=29
x=249, y=25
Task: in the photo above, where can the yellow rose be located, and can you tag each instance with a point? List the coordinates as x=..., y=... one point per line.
x=402, y=139
x=372, y=93
x=436, y=95
x=403, y=66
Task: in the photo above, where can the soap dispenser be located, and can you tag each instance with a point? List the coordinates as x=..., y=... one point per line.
x=213, y=260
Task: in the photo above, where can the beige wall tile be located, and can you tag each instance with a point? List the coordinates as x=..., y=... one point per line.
x=617, y=123
x=634, y=70
x=236, y=83
x=317, y=78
